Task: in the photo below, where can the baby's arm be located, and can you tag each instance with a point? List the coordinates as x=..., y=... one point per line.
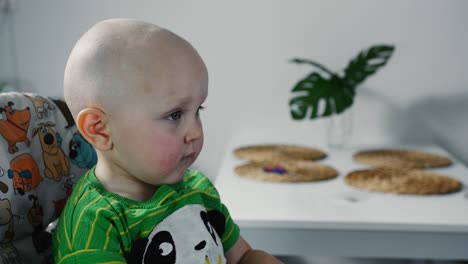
x=242, y=253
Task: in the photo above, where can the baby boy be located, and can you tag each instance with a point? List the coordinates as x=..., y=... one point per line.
x=135, y=91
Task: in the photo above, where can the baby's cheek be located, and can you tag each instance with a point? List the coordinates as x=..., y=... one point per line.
x=167, y=153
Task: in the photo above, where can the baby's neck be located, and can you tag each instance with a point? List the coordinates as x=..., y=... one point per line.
x=128, y=187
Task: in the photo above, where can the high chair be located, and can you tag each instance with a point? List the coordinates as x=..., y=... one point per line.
x=42, y=155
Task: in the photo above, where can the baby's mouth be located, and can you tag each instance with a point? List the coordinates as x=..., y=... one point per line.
x=188, y=159
x=189, y=156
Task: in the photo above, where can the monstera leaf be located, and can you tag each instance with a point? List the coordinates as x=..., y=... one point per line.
x=326, y=93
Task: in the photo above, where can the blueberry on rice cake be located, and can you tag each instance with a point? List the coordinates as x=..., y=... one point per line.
x=286, y=171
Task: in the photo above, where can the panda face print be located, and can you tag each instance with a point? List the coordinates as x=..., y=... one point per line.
x=161, y=249
x=189, y=235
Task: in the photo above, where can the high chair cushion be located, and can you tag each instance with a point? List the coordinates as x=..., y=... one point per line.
x=42, y=155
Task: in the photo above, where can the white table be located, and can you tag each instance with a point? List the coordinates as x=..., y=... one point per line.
x=331, y=218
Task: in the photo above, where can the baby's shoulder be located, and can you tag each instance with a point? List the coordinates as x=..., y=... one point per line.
x=196, y=180
x=87, y=199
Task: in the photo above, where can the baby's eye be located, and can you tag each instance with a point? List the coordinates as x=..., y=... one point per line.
x=174, y=116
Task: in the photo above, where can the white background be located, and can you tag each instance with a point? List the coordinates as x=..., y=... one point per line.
x=247, y=44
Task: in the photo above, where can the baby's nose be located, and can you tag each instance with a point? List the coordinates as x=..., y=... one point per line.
x=194, y=133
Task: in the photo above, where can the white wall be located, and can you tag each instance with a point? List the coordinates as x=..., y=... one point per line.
x=246, y=45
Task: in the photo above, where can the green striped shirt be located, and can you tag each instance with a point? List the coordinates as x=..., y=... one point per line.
x=97, y=226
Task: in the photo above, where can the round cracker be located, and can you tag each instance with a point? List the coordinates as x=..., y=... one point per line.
x=402, y=181
x=401, y=158
x=297, y=171
x=278, y=152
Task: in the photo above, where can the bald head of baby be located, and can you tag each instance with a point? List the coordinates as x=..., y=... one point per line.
x=121, y=58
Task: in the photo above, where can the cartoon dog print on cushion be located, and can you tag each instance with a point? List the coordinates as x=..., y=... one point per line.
x=55, y=161
x=81, y=153
x=42, y=240
x=6, y=217
x=8, y=252
x=14, y=125
x=3, y=186
x=24, y=173
x=189, y=235
x=68, y=187
x=41, y=105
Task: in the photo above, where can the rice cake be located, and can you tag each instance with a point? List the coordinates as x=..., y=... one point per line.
x=402, y=181
x=278, y=152
x=401, y=158
x=286, y=171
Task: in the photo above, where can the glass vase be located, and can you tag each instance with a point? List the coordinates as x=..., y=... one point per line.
x=339, y=129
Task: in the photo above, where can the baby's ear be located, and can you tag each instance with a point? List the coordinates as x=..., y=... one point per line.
x=93, y=126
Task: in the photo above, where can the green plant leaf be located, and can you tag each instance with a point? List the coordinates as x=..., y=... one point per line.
x=314, y=89
x=325, y=96
x=314, y=64
x=366, y=63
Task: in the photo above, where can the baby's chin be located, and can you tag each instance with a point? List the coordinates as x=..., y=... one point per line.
x=177, y=176
x=178, y=173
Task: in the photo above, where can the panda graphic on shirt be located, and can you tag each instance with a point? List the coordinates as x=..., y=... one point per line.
x=188, y=235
